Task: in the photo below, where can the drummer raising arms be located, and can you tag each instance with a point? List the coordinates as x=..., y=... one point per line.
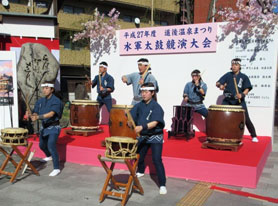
x=148, y=116
x=236, y=86
x=137, y=79
x=105, y=86
x=194, y=93
x=49, y=110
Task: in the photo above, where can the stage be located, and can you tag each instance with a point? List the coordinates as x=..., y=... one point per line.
x=182, y=159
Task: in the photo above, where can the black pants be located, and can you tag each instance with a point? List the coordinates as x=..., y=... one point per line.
x=248, y=122
x=156, y=157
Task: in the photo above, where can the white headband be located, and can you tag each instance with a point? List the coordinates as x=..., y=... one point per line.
x=236, y=62
x=102, y=65
x=147, y=89
x=143, y=63
x=47, y=85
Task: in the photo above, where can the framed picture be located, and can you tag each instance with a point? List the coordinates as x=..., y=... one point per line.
x=8, y=90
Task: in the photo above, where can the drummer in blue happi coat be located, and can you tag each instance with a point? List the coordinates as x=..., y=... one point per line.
x=137, y=79
x=105, y=86
x=49, y=110
x=148, y=116
x=230, y=83
x=194, y=93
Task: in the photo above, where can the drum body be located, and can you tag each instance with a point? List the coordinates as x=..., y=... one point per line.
x=14, y=136
x=118, y=122
x=121, y=147
x=84, y=114
x=225, y=123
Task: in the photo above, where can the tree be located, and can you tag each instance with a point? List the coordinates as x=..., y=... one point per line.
x=101, y=32
x=253, y=18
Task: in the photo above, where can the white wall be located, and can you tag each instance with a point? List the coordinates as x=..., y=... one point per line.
x=28, y=27
x=172, y=71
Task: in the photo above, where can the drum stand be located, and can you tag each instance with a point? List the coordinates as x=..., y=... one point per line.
x=83, y=132
x=222, y=146
x=133, y=182
x=18, y=166
x=182, y=122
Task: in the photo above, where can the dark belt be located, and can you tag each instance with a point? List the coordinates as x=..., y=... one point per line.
x=229, y=96
x=200, y=102
x=48, y=124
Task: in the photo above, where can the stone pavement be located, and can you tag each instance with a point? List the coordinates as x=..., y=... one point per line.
x=80, y=185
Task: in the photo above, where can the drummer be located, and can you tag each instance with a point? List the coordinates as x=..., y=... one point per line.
x=234, y=97
x=49, y=110
x=194, y=93
x=105, y=86
x=148, y=116
x=136, y=79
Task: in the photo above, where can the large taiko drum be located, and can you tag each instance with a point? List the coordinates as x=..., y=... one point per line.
x=225, y=124
x=121, y=147
x=84, y=114
x=118, y=122
x=14, y=136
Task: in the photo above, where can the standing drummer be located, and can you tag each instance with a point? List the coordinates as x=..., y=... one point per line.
x=195, y=92
x=148, y=116
x=137, y=79
x=236, y=86
x=105, y=86
x=49, y=110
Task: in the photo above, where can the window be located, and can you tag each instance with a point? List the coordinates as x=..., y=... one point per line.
x=66, y=40
x=78, y=10
x=68, y=9
x=14, y=1
x=128, y=18
x=73, y=10
x=41, y=4
x=164, y=23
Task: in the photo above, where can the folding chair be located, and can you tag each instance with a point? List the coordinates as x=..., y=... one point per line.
x=18, y=166
x=132, y=183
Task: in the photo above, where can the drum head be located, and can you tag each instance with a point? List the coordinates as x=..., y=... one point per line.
x=84, y=102
x=121, y=139
x=231, y=108
x=18, y=130
x=122, y=106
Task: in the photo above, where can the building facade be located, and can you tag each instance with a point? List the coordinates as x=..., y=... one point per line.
x=75, y=57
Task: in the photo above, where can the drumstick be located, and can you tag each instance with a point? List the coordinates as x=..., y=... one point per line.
x=99, y=79
x=27, y=105
x=145, y=72
x=236, y=89
x=25, y=99
x=202, y=73
x=88, y=85
x=31, y=154
x=88, y=79
x=130, y=119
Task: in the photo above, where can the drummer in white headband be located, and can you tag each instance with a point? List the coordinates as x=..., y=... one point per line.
x=149, y=118
x=49, y=110
x=236, y=85
x=137, y=79
x=105, y=86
